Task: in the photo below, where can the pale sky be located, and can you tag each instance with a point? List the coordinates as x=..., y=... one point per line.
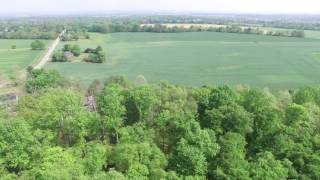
x=210, y=6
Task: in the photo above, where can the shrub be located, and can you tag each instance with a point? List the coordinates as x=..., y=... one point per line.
x=37, y=45
x=74, y=49
x=58, y=56
x=96, y=57
x=41, y=79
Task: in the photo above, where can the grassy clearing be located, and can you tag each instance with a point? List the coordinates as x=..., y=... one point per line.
x=12, y=60
x=202, y=58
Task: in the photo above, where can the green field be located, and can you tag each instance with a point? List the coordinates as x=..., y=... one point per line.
x=203, y=58
x=12, y=60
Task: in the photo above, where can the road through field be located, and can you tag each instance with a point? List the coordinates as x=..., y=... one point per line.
x=49, y=52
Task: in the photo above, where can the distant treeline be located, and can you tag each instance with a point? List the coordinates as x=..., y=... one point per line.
x=28, y=35
x=159, y=28
x=301, y=22
x=37, y=33
x=29, y=30
x=49, y=27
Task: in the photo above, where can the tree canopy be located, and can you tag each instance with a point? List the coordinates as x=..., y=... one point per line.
x=37, y=45
x=163, y=131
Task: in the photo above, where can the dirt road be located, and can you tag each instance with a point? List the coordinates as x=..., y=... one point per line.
x=49, y=52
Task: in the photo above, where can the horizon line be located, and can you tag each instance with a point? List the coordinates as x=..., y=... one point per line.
x=144, y=12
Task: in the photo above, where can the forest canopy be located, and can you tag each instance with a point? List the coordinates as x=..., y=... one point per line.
x=163, y=131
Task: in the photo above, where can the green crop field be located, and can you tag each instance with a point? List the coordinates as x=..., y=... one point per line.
x=203, y=58
x=16, y=59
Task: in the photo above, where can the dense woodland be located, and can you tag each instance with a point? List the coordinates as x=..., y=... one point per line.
x=136, y=130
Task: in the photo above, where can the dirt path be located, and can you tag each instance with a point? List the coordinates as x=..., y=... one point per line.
x=49, y=52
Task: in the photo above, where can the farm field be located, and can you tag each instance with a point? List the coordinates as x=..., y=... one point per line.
x=12, y=60
x=201, y=58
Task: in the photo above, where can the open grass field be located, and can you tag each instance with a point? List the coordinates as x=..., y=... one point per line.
x=203, y=58
x=16, y=59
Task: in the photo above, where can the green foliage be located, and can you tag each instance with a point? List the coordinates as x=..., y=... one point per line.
x=266, y=118
x=56, y=164
x=194, y=150
x=16, y=143
x=70, y=36
x=266, y=167
x=111, y=175
x=307, y=95
x=68, y=51
x=95, y=55
x=95, y=157
x=58, y=56
x=111, y=107
x=37, y=45
x=62, y=113
x=40, y=79
x=119, y=80
x=74, y=49
x=138, y=159
x=295, y=113
x=96, y=50
x=140, y=104
x=231, y=162
x=164, y=28
x=161, y=132
x=222, y=95
x=297, y=33
x=29, y=29
x=189, y=160
x=110, y=102
x=229, y=118
x=5, y=175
